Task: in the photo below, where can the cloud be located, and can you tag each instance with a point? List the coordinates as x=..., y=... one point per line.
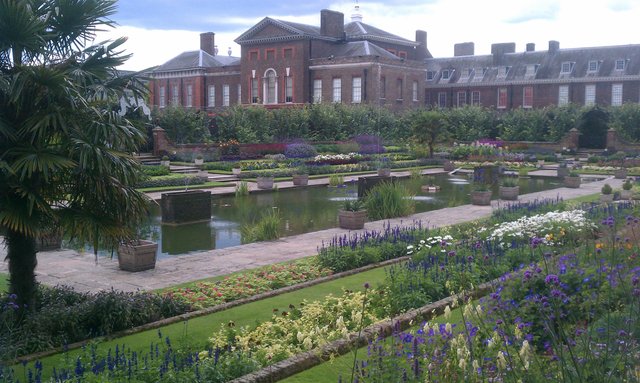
x=539, y=11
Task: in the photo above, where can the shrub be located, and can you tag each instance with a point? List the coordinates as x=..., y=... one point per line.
x=606, y=189
x=627, y=184
x=336, y=180
x=300, y=151
x=173, y=180
x=352, y=205
x=388, y=200
x=155, y=170
x=509, y=182
x=266, y=229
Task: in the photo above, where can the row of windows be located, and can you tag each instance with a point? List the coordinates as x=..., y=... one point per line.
x=271, y=54
x=527, y=97
x=270, y=87
x=336, y=90
x=211, y=99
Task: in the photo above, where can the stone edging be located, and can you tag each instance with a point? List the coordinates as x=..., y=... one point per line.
x=206, y=311
x=306, y=360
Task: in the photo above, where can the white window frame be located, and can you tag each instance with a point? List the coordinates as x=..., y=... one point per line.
x=589, y=94
x=317, y=91
x=270, y=87
x=225, y=95
x=566, y=67
x=356, y=90
x=478, y=74
x=525, y=104
x=446, y=74
x=620, y=64
x=414, y=91
x=593, y=66
x=616, y=94
x=475, y=98
x=383, y=87
x=255, y=94
x=211, y=102
x=503, y=71
x=239, y=93
x=189, y=96
x=442, y=100
x=336, y=89
x=506, y=101
x=163, y=97
x=174, y=95
x=532, y=69
x=461, y=98
x=288, y=89
x=431, y=74
x=563, y=95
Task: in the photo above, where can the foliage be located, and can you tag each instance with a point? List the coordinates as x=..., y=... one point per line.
x=429, y=127
x=606, y=189
x=242, y=189
x=183, y=125
x=266, y=229
x=509, y=182
x=207, y=294
x=155, y=170
x=627, y=184
x=173, y=180
x=300, y=150
x=65, y=149
x=352, y=205
x=63, y=316
x=388, y=200
x=336, y=180
x=472, y=123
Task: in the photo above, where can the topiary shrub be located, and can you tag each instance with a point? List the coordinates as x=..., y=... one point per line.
x=300, y=151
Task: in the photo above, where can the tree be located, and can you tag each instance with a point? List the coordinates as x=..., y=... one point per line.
x=429, y=127
x=64, y=161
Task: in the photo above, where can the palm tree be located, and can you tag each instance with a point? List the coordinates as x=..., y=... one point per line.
x=64, y=162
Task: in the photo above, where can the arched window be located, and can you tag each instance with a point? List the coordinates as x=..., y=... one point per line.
x=270, y=90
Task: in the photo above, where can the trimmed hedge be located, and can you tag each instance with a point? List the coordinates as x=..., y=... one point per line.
x=173, y=180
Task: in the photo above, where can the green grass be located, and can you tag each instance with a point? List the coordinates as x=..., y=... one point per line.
x=332, y=370
x=211, y=184
x=195, y=332
x=4, y=283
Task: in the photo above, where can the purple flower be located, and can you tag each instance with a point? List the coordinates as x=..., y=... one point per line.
x=551, y=279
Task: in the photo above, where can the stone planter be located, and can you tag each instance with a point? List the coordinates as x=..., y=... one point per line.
x=198, y=161
x=606, y=198
x=509, y=193
x=572, y=182
x=265, y=182
x=236, y=171
x=620, y=174
x=482, y=198
x=165, y=163
x=137, y=255
x=352, y=220
x=448, y=166
x=626, y=194
x=188, y=206
x=384, y=172
x=301, y=179
x=563, y=172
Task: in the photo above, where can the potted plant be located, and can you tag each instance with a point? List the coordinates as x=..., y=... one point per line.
x=509, y=189
x=626, y=193
x=563, y=170
x=137, y=255
x=301, y=176
x=607, y=193
x=165, y=161
x=572, y=180
x=481, y=194
x=384, y=167
x=265, y=182
x=448, y=166
x=352, y=215
x=236, y=169
x=199, y=160
x=523, y=173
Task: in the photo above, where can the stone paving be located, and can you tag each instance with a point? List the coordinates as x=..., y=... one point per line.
x=83, y=273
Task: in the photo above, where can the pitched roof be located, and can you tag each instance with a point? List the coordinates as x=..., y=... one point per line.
x=196, y=59
x=357, y=30
x=362, y=48
x=296, y=31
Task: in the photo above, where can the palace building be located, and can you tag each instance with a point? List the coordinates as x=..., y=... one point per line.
x=286, y=64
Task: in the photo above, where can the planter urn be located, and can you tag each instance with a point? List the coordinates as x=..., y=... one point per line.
x=165, y=163
x=301, y=179
x=448, y=166
x=352, y=220
x=606, y=198
x=481, y=198
x=236, y=171
x=572, y=182
x=199, y=161
x=384, y=172
x=264, y=182
x=563, y=172
x=509, y=193
x=137, y=255
x=626, y=194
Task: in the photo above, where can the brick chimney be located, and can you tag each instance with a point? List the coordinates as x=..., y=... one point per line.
x=464, y=49
x=332, y=24
x=499, y=50
x=531, y=47
x=207, y=43
x=554, y=46
x=421, y=50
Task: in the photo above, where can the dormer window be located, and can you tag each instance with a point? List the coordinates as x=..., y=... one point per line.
x=566, y=68
x=620, y=64
x=465, y=74
x=531, y=70
x=593, y=66
x=430, y=75
x=503, y=71
x=478, y=74
x=446, y=74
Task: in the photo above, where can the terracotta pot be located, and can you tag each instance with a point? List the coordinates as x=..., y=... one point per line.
x=265, y=182
x=509, y=193
x=301, y=179
x=572, y=182
x=137, y=255
x=482, y=198
x=352, y=220
x=620, y=174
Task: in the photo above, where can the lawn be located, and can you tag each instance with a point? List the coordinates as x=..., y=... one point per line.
x=4, y=282
x=195, y=333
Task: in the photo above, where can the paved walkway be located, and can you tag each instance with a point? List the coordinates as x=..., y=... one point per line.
x=81, y=272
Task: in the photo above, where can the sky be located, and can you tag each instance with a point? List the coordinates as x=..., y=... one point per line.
x=158, y=30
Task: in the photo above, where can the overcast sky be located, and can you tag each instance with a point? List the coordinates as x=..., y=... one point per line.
x=161, y=29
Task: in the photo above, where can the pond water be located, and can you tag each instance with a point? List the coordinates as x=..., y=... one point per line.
x=302, y=210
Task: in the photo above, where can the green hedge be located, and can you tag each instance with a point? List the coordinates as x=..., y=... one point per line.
x=173, y=180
